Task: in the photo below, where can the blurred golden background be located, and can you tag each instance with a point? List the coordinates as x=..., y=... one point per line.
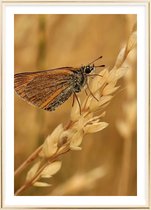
x=50, y=41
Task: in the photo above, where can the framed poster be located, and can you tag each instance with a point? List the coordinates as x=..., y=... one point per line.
x=75, y=105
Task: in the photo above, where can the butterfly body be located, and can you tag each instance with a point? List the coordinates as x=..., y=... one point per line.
x=50, y=88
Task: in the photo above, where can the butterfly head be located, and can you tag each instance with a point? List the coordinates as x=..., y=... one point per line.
x=87, y=69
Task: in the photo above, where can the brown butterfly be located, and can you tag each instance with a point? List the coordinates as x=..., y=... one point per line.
x=48, y=89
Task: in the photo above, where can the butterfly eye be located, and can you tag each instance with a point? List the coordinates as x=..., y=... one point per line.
x=88, y=69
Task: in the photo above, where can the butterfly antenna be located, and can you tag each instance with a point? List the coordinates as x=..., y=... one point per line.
x=95, y=60
x=99, y=66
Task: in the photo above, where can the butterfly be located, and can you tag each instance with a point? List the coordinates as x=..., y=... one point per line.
x=48, y=89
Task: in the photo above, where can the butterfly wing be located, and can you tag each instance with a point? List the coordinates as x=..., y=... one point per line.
x=45, y=89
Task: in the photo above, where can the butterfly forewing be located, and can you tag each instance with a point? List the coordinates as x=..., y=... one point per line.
x=46, y=89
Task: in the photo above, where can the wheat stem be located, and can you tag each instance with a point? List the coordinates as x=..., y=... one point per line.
x=28, y=161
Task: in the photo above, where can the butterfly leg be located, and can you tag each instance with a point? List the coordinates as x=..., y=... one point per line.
x=75, y=97
x=93, y=75
x=91, y=91
x=86, y=92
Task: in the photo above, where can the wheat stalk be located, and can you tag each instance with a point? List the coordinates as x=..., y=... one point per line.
x=69, y=137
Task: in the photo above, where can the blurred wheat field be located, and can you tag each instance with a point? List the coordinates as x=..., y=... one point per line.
x=50, y=41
